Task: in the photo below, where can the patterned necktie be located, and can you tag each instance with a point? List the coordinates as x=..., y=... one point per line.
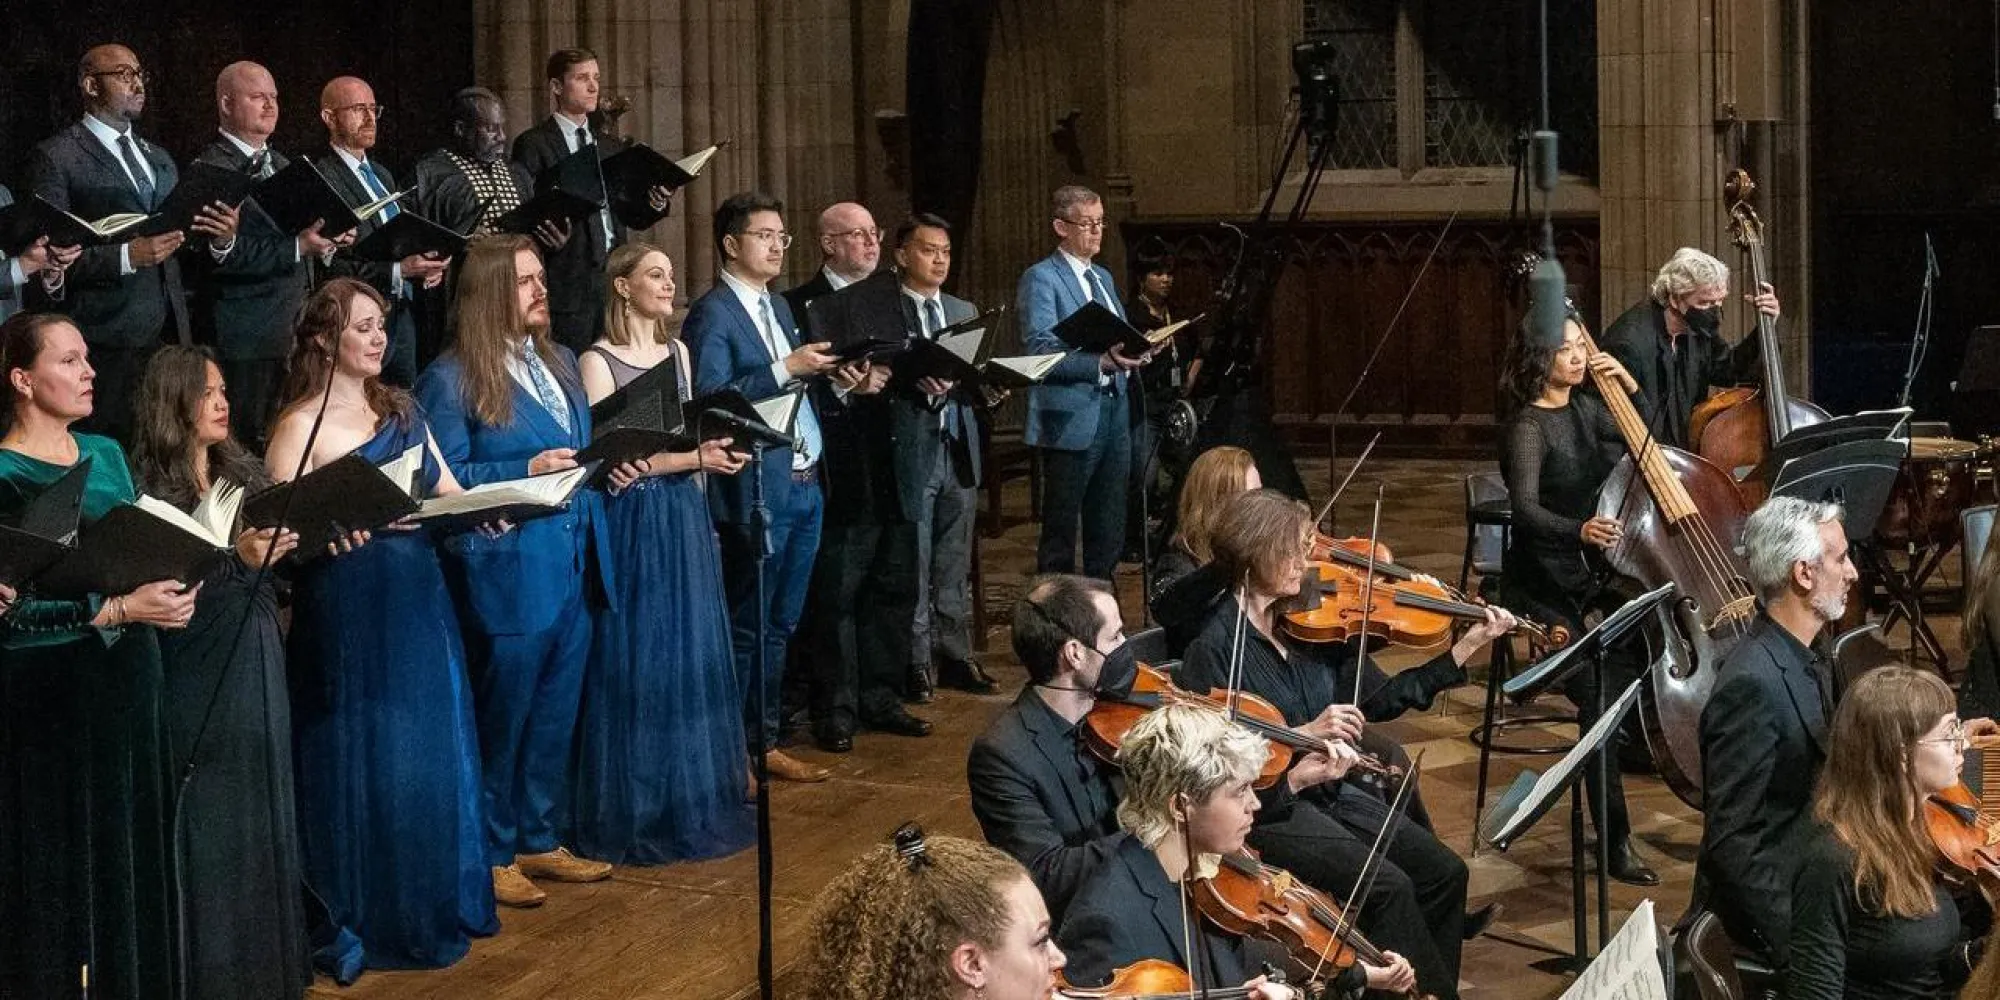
x=377, y=190
x=141, y=180
x=805, y=426
x=545, y=386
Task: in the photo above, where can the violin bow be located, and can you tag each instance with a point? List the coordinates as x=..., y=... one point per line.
x=1342, y=488
x=1233, y=680
x=1367, y=599
x=1371, y=866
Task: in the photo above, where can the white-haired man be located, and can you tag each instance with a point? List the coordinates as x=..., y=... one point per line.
x=1672, y=342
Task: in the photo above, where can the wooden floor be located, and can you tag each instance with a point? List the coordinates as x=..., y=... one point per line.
x=690, y=931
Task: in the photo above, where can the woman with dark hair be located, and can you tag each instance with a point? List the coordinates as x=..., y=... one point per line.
x=1555, y=452
x=85, y=870
x=226, y=700
x=1870, y=919
x=660, y=771
x=1160, y=388
x=388, y=773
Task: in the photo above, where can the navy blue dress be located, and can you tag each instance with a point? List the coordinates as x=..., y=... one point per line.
x=388, y=783
x=659, y=767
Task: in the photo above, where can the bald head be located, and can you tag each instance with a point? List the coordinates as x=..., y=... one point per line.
x=347, y=106
x=246, y=102
x=849, y=240
x=113, y=84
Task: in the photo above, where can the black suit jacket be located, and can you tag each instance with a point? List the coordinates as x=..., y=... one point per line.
x=356, y=194
x=1763, y=739
x=1028, y=774
x=1672, y=382
x=1128, y=910
x=246, y=304
x=73, y=171
x=574, y=269
x=800, y=296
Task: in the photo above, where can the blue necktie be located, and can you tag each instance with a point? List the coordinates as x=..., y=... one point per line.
x=948, y=417
x=545, y=386
x=376, y=190
x=141, y=180
x=806, y=424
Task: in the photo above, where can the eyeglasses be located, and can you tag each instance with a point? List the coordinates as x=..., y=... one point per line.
x=130, y=75
x=1954, y=736
x=863, y=235
x=780, y=237
x=1087, y=225
x=363, y=110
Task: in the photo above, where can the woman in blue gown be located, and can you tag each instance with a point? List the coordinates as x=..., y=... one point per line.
x=660, y=772
x=388, y=764
x=86, y=877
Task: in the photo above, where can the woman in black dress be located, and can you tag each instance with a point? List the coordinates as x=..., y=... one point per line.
x=1870, y=920
x=238, y=834
x=1558, y=447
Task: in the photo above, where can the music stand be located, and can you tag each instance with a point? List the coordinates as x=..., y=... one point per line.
x=1858, y=475
x=1532, y=795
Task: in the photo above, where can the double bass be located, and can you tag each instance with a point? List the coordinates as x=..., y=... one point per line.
x=1735, y=428
x=1682, y=516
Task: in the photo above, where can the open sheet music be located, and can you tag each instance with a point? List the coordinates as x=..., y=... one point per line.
x=1629, y=966
x=514, y=500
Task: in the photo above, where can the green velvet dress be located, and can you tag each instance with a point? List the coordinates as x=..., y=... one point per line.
x=85, y=878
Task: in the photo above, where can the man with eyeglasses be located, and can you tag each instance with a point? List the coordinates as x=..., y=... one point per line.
x=245, y=305
x=128, y=297
x=1078, y=417
x=742, y=336
x=850, y=247
x=348, y=109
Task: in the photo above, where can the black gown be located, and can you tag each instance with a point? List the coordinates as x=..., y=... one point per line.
x=239, y=844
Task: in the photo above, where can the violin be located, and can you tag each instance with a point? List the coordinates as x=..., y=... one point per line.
x=1249, y=898
x=1110, y=719
x=1408, y=612
x=1966, y=830
x=1148, y=979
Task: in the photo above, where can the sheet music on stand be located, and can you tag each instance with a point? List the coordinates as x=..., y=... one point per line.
x=1530, y=797
x=1630, y=966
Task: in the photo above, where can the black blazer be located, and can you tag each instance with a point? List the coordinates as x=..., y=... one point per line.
x=799, y=296
x=1027, y=773
x=344, y=264
x=72, y=170
x=246, y=304
x=572, y=267
x=1763, y=738
x=1672, y=383
x=1127, y=910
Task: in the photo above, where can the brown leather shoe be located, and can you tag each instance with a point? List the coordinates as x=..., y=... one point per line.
x=561, y=866
x=779, y=764
x=511, y=888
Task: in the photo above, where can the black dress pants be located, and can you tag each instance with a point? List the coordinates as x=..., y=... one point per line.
x=865, y=602
x=1086, y=489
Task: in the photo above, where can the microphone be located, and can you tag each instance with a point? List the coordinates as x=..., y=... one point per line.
x=755, y=432
x=1548, y=306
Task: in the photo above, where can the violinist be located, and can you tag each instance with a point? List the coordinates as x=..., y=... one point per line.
x=1672, y=342
x=1189, y=800
x=1216, y=476
x=1038, y=793
x=931, y=918
x=1764, y=729
x=1869, y=918
x=1417, y=907
x=1558, y=448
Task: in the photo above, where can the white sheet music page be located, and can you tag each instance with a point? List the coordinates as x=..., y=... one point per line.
x=1629, y=967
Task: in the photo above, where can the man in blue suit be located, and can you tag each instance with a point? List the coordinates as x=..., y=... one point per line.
x=1079, y=416
x=742, y=336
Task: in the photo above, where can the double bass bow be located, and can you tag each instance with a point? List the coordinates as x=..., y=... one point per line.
x=1735, y=428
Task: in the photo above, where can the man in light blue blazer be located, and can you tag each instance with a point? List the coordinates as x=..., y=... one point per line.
x=741, y=335
x=1079, y=416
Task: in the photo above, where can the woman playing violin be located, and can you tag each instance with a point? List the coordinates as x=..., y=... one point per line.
x=1188, y=800
x=1870, y=918
x=1558, y=448
x=1216, y=477
x=1417, y=907
x=937, y=918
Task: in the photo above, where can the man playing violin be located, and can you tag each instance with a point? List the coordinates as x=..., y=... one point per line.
x=1672, y=342
x=1189, y=801
x=1417, y=907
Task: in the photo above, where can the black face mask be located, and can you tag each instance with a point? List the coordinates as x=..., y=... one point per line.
x=1703, y=321
x=1120, y=672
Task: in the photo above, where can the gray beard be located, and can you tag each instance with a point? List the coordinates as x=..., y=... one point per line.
x=1830, y=606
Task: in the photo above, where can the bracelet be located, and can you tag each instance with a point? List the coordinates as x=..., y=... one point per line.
x=118, y=611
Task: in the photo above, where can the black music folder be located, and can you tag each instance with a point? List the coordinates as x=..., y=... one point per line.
x=200, y=185
x=568, y=189
x=642, y=418
x=300, y=194
x=1094, y=329
x=139, y=543
x=407, y=235
x=43, y=534
x=632, y=173
x=348, y=494
x=25, y=221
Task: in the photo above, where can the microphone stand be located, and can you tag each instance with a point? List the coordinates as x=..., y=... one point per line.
x=760, y=531
x=1920, y=341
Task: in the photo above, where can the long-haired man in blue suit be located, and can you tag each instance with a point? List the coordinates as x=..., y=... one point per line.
x=741, y=335
x=1079, y=416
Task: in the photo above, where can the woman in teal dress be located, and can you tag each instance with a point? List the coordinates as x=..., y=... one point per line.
x=85, y=871
x=659, y=771
x=388, y=763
